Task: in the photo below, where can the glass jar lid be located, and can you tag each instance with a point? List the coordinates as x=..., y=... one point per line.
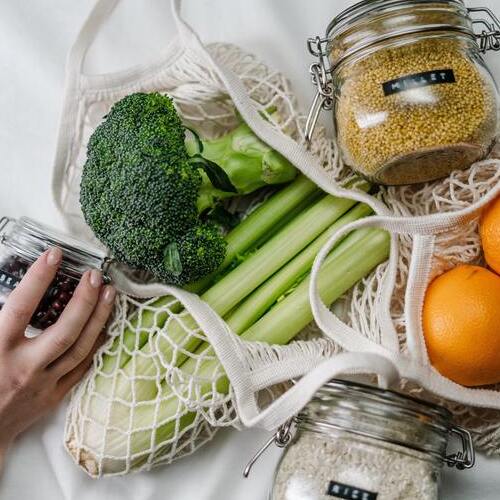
x=364, y=7
x=29, y=239
x=386, y=416
x=368, y=23
x=378, y=414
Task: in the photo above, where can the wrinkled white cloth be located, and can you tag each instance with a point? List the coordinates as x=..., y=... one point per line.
x=34, y=39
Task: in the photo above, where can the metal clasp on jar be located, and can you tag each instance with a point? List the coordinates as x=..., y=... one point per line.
x=489, y=37
x=4, y=221
x=466, y=458
x=107, y=262
x=321, y=77
x=281, y=438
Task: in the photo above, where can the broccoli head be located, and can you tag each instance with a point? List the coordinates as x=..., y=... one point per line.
x=147, y=191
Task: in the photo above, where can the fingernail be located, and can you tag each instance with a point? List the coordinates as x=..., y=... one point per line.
x=95, y=278
x=108, y=294
x=54, y=256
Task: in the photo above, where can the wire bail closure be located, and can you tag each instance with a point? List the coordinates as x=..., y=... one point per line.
x=4, y=222
x=281, y=439
x=489, y=38
x=321, y=77
x=463, y=459
x=466, y=458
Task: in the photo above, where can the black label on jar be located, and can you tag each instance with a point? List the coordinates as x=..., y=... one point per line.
x=339, y=490
x=418, y=80
x=8, y=280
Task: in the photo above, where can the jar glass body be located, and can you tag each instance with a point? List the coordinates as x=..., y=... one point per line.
x=319, y=466
x=413, y=107
x=22, y=243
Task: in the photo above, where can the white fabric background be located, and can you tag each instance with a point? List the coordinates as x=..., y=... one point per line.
x=34, y=40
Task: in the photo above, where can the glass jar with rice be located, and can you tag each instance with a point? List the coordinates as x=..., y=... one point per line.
x=359, y=442
x=411, y=95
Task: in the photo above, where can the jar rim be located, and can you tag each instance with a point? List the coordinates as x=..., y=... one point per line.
x=364, y=7
x=347, y=19
x=30, y=238
x=360, y=9
x=393, y=399
x=380, y=414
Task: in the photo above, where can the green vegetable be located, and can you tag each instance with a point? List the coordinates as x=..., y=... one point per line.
x=152, y=193
x=155, y=423
x=147, y=191
x=255, y=305
x=223, y=296
x=256, y=227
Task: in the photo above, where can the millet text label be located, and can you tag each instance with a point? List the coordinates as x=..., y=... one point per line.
x=417, y=80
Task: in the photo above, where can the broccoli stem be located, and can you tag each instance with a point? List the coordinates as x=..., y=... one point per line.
x=253, y=228
x=248, y=162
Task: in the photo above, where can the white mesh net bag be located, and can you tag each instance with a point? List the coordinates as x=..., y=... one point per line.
x=173, y=371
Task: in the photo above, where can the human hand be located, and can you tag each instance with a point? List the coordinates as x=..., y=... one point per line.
x=36, y=373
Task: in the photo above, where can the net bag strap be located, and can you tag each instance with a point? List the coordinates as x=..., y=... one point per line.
x=100, y=12
x=295, y=398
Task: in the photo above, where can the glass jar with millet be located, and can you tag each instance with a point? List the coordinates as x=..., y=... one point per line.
x=411, y=95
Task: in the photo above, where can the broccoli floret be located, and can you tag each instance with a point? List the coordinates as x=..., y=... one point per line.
x=146, y=189
x=200, y=249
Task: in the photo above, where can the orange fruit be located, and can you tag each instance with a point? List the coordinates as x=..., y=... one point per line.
x=489, y=229
x=461, y=320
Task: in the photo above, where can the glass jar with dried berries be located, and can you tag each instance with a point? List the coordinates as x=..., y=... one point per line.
x=22, y=242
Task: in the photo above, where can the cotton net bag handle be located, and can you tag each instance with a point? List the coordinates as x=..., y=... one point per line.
x=295, y=398
x=99, y=14
x=101, y=11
